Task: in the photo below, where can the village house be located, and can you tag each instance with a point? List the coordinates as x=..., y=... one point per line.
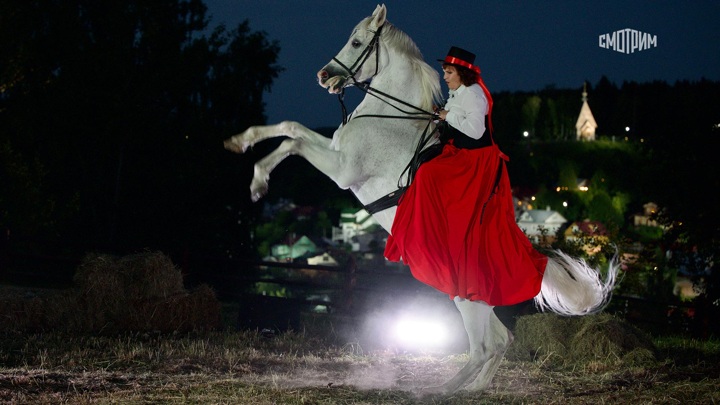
x=591, y=234
x=541, y=226
x=358, y=229
x=647, y=217
x=302, y=247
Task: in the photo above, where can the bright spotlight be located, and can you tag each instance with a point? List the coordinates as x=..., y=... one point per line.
x=420, y=333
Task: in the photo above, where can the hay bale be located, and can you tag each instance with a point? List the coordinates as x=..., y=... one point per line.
x=100, y=292
x=607, y=337
x=140, y=292
x=139, y=276
x=571, y=341
x=150, y=275
x=21, y=314
x=198, y=310
x=33, y=310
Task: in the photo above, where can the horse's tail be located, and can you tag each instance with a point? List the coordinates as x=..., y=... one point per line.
x=571, y=287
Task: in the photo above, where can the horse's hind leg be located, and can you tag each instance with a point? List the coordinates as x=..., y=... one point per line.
x=488, y=340
x=503, y=338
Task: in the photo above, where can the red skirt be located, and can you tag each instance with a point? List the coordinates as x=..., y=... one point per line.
x=455, y=227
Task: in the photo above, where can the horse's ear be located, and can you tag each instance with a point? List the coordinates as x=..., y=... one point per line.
x=378, y=17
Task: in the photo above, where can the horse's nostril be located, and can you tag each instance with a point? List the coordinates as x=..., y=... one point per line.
x=323, y=74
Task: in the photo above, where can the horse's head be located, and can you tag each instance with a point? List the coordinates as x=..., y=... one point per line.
x=350, y=61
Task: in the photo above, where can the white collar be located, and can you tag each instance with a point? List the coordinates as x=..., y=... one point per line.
x=457, y=91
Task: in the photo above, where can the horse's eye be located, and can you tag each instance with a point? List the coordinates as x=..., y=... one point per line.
x=355, y=43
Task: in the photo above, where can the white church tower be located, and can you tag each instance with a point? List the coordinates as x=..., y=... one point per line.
x=586, y=124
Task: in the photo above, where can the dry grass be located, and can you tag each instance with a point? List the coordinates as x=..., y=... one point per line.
x=51, y=352
x=296, y=368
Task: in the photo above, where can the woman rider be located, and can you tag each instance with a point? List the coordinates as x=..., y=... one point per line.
x=455, y=225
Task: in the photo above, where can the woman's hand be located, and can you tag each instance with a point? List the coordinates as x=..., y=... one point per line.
x=442, y=114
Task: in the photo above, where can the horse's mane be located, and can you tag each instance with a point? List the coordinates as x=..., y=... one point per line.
x=394, y=38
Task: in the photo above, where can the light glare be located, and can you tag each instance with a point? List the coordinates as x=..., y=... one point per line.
x=420, y=333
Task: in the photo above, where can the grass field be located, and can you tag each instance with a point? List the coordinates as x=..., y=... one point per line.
x=70, y=346
x=297, y=368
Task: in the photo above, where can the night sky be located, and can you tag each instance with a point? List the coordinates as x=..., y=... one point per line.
x=521, y=45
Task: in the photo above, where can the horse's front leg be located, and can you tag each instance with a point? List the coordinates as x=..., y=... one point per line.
x=241, y=142
x=327, y=161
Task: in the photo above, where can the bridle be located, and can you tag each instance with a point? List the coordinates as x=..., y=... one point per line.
x=373, y=45
x=392, y=198
x=364, y=55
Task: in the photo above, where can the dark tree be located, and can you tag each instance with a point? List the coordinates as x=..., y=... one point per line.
x=117, y=110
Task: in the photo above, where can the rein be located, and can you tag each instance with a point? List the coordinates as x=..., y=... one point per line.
x=420, y=155
x=357, y=65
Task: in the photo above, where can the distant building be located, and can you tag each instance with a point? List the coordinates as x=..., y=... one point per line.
x=302, y=247
x=541, y=226
x=647, y=217
x=592, y=234
x=523, y=199
x=354, y=222
x=586, y=125
x=322, y=260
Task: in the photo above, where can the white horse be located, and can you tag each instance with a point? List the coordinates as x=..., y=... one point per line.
x=368, y=155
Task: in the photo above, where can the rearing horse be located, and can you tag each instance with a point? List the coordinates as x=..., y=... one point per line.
x=369, y=154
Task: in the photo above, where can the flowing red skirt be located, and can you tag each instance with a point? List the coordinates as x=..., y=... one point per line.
x=461, y=238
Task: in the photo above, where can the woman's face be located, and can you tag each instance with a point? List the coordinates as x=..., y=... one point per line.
x=451, y=77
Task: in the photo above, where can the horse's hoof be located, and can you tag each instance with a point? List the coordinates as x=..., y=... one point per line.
x=237, y=147
x=258, y=192
x=433, y=390
x=466, y=375
x=232, y=146
x=483, y=380
x=258, y=187
x=256, y=196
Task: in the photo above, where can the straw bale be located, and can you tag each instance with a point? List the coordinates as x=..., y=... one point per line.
x=140, y=292
x=569, y=341
x=188, y=311
x=150, y=275
x=100, y=291
x=21, y=314
x=138, y=276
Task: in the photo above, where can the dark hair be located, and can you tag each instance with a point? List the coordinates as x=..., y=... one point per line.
x=467, y=76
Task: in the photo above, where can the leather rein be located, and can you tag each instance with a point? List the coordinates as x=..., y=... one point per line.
x=391, y=199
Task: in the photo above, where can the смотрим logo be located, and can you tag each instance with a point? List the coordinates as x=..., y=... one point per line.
x=627, y=40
